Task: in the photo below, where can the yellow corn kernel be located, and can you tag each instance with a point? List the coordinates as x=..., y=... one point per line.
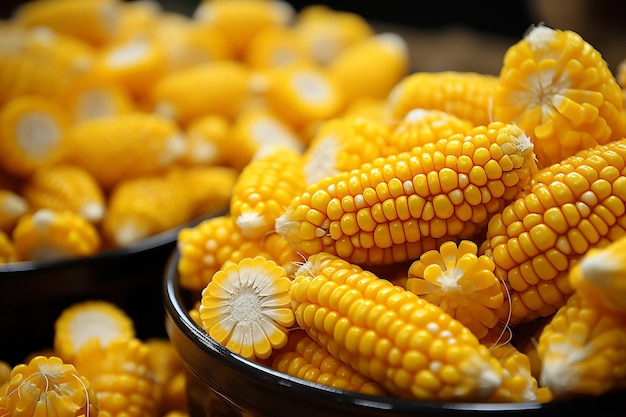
x=271, y=246
x=461, y=283
x=264, y=188
x=570, y=208
x=91, y=100
x=208, y=141
x=204, y=248
x=8, y=253
x=518, y=384
x=304, y=358
x=220, y=87
x=246, y=307
x=121, y=376
x=47, y=235
x=166, y=367
x=408, y=345
x=47, y=386
x=125, y=146
x=92, y=21
x=328, y=32
x=66, y=187
x=342, y=144
x=142, y=207
x=371, y=67
x=394, y=208
x=241, y=20
x=557, y=88
x=33, y=133
x=583, y=350
x=467, y=95
x=84, y=320
x=12, y=207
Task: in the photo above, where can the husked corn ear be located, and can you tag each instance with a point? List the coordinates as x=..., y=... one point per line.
x=461, y=283
x=52, y=234
x=246, y=307
x=47, y=386
x=204, y=248
x=395, y=208
x=264, y=188
x=276, y=46
x=66, y=187
x=370, y=67
x=121, y=377
x=125, y=146
x=208, y=142
x=84, y=320
x=583, y=350
x=271, y=246
x=304, y=358
x=467, y=95
x=569, y=208
x=12, y=207
x=408, y=345
x=558, y=88
x=342, y=144
x=518, y=384
x=8, y=253
x=33, y=133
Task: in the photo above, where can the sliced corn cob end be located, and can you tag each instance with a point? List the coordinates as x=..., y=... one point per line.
x=12, y=207
x=246, y=307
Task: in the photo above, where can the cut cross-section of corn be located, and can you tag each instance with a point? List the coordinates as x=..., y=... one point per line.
x=276, y=46
x=84, y=320
x=389, y=334
x=46, y=386
x=66, y=187
x=125, y=146
x=583, y=350
x=264, y=188
x=395, y=208
x=461, y=283
x=570, y=208
x=12, y=207
x=7, y=250
x=48, y=234
x=467, y=95
x=304, y=358
x=33, y=133
x=208, y=141
x=246, y=307
x=558, y=88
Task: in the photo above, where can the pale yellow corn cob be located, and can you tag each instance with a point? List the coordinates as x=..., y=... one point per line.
x=12, y=207
x=276, y=46
x=208, y=142
x=8, y=253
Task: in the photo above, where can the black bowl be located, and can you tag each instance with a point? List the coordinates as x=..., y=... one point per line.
x=222, y=383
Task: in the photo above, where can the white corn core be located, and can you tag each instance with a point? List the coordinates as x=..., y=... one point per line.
x=600, y=268
x=90, y=324
x=282, y=12
x=311, y=87
x=559, y=370
x=267, y=132
x=540, y=37
x=38, y=135
x=92, y=211
x=130, y=232
x=13, y=206
x=323, y=160
x=175, y=148
x=393, y=42
x=94, y=103
x=129, y=54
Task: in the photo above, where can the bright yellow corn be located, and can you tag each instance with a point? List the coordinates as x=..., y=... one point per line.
x=394, y=208
x=8, y=253
x=137, y=18
x=263, y=190
x=246, y=307
x=208, y=142
x=52, y=234
x=518, y=384
x=461, y=283
x=583, y=350
x=304, y=358
x=125, y=146
x=276, y=46
x=271, y=246
x=570, y=208
x=408, y=345
x=33, y=133
x=167, y=368
x=66, y=187
x=558, y=88
x=467, y=95
x=98, y=99
x=12, y=207
x=47, y=386
x=84, y=320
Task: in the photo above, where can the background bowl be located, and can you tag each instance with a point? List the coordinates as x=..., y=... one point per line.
x=222, y=383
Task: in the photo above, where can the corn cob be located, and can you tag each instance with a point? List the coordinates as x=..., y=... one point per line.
x=304, y=358
x=583, y=350
x=467, y=95
x=559, y=90
x=411, y=347
x=12, y=207
x=121, y=377
x=271, y=246
x=33, y=133
x=570, y=207
x=461, y=283
x=47, y=235
x=263, y=190
x=66, y=187
x=166, y=366
x=46, y=386
x=8, y=253
x=246, y=307
x=91, y=100
x=276, y=46
x=208, y=141
x=125, y=146
x=84, y=320
x=395, y=208
x=370, y=67
x=518, y=384
x=204, y=248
